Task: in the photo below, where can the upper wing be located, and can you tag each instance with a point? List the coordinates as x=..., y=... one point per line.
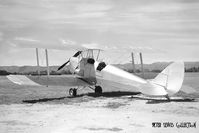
x=64, y=80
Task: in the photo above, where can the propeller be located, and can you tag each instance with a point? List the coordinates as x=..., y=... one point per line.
x=75, y=55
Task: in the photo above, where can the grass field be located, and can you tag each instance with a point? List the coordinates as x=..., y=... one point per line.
x=25, y=109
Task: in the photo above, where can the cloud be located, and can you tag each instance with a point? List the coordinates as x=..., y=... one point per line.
x=1, y=36
x=67, y=42
x=148, y=50
x=92, y=46
x=156, y=26
x=102, y=47
x=92, y=7
x=135, y=49
x=26, y=39
x=59, y=44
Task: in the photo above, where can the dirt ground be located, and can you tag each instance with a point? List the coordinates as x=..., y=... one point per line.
x=50, y=110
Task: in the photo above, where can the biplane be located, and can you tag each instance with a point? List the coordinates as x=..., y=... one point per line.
x=88, y=71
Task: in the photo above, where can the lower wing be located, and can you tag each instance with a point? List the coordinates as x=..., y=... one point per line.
x=68, y=80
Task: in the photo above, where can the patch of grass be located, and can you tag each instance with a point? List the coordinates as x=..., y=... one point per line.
x=114, y=129
x=114, y=105
x=14, y=123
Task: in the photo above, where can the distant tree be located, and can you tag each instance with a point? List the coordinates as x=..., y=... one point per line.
x=130, y=71
x=146, y=70
x=43, y=72
x=3, y=72
x=193, y=69
x=55, y=73
x=156, y=71
x=66, y=71
x=137, y=71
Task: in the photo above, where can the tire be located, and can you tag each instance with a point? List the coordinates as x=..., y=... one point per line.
x=98, y=89
x=72, y=92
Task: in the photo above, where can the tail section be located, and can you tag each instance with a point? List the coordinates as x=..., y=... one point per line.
x=171, y=78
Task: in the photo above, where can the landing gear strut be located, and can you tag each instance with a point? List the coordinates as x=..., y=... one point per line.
x=98, y=89
x=73, y=92
x=168, y=98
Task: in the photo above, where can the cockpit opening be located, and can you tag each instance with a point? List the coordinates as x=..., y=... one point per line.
x=101, y=66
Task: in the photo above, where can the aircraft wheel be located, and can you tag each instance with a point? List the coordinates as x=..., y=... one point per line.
x=98, y=89
x=73, y=92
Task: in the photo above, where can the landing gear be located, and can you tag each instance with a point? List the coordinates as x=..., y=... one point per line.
x=168, y=98
x=98, y=89
x=73, y=92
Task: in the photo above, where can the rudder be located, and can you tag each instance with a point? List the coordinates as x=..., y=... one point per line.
x=171, y=78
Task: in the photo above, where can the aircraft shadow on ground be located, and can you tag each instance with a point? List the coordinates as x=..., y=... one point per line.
x=43, y=100
x=115, y=94
x=157, y=101
x=109, y=94
x=105, y=94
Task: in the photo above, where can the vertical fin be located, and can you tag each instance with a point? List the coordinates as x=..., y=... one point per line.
x=171, y=78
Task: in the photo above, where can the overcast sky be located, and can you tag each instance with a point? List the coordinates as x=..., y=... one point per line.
x=164, y=30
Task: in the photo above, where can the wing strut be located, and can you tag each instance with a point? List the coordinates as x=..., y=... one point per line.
x=48, y=72
x=141, y=62
x=38, y=67
x=133, y=62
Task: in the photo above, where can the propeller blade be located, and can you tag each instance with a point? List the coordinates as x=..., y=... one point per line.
x=62, y=66
x=78, y=53
x=75, y=55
